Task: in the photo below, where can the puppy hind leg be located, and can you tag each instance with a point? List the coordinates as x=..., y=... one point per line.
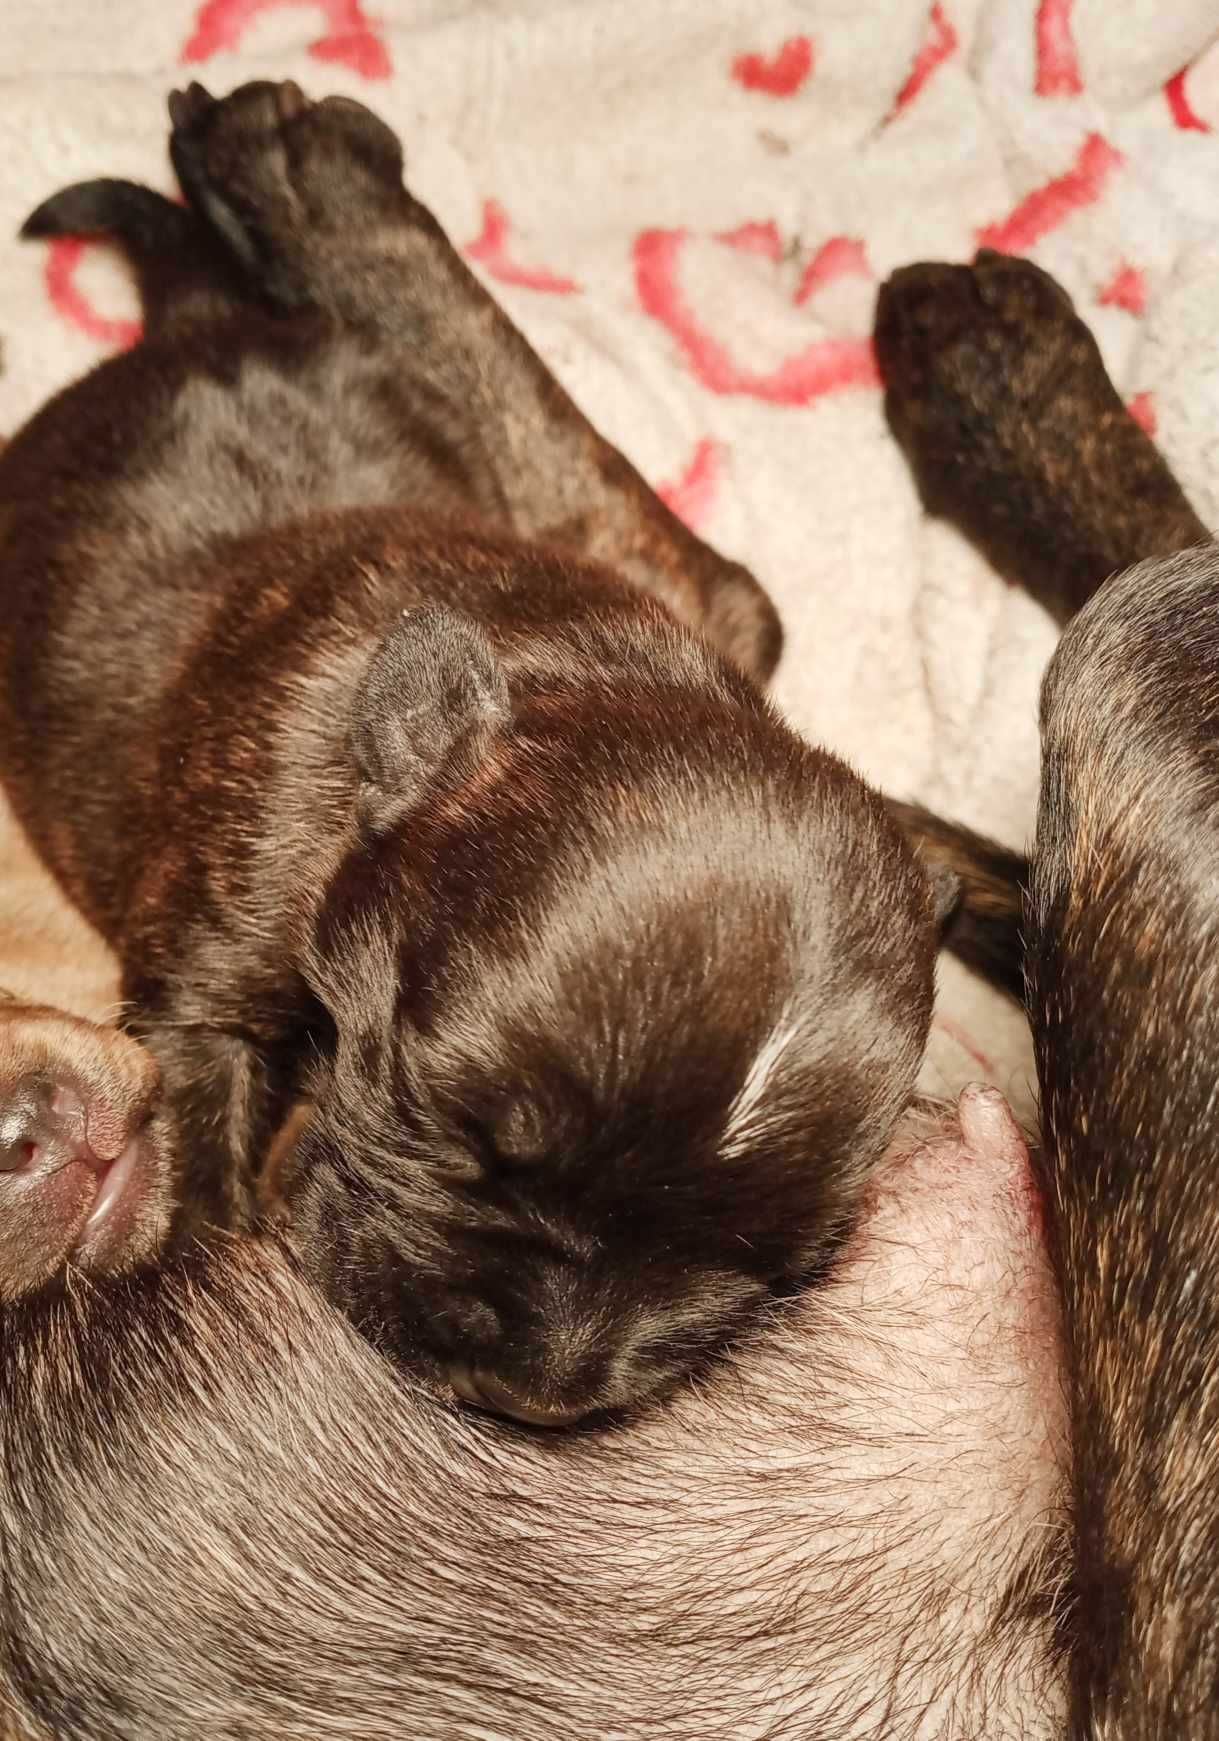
x=180, y=270
x=309, y=201
x=997, y=393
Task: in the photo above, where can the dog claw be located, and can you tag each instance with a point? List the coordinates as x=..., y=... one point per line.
x=189, y=106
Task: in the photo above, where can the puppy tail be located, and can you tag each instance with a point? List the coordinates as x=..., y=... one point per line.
x=144, y=222
x=171, y=252
x=985, y=929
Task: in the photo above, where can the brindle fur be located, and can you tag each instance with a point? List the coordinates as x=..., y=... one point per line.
x=996, y=391
x=1014, y=429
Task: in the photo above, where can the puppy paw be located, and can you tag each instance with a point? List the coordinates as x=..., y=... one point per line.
x=980, y=365
x=273, y=172
x=996, y=391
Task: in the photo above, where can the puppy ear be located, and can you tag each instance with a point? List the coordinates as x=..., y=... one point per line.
x=433, y=690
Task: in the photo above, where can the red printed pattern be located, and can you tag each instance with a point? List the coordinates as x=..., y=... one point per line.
x=1052, y=204
x=1057, y=63
x=690, y=496
x=63, y=257
x=490, y=249
x=824, y=366
x=1180, y=107
x=350, y=37
x=1142, y=409
x=840, y=257
x=1126, y=289
x=938, y=44
x=782, y=74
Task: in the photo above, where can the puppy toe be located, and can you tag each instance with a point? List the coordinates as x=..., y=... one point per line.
x=187, y=108
x=918, y=309
x=1018, y=291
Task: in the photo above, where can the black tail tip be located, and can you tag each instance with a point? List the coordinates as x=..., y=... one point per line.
x=145, y=222
x=41, y=222
x=88, y=208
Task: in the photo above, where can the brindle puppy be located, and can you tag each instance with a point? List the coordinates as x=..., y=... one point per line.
x=607, y=988
x=999, y=395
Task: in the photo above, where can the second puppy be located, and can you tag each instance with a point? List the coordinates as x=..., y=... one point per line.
x=608, y=989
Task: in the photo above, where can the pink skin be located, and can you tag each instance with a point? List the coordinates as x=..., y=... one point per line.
x=84, y=1163
x=909, y=1415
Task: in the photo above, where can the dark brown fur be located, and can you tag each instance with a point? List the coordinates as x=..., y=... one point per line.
x=608, y=989
x=984, y=925
x=997, y=393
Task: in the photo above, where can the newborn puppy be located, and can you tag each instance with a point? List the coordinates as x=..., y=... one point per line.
x=999, y=395
x=606, y=988
x=82, y=1145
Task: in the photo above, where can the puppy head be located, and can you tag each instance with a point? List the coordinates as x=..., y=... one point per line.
x=85, y=1162
x=625, y=1005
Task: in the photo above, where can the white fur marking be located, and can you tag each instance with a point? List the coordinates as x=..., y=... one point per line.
x=742, y=1126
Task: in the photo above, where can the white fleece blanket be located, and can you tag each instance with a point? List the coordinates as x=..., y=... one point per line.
x=688, y=205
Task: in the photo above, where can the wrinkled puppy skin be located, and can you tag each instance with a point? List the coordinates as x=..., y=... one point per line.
x=468, y=826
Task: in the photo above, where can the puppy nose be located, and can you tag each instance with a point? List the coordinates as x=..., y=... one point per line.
x=488, y=1392
x=43, y=1125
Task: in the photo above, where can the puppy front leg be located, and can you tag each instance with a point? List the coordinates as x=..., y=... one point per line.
x=997, y=393
x=308, y=198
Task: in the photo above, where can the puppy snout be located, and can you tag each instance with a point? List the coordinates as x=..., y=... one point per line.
x=498, y=1396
